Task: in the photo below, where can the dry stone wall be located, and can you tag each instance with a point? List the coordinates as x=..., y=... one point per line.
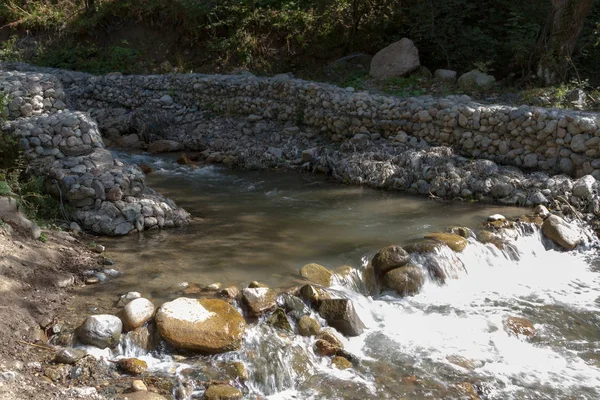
x=107, y=196
x=552, y=140
x=446, y=147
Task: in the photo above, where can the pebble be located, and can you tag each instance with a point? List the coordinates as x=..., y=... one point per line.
x=138, y=386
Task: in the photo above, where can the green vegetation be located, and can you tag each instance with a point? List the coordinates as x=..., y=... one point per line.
x=302, y=36
x=16, y=180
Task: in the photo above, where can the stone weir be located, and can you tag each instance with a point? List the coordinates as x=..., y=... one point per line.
x=103, y=194
x=447, y=147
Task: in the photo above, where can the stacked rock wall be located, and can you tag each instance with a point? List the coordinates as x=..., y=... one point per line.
x=65, y=146
x=552, y=140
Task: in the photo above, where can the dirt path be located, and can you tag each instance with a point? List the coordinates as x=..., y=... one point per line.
x=35, y=278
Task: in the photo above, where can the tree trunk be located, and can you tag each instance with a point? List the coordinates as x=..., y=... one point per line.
x=90, y=6
x=557, y=46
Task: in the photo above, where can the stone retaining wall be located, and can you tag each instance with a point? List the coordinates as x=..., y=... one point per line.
x=552, y=140
x=107, y=196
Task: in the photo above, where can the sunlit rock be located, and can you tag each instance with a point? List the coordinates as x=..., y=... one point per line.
x=388, y=258
x=209, y=326
x=316, y=273
x=406, y=281
x=566, y=235
x=340, y=314
x=455, y=242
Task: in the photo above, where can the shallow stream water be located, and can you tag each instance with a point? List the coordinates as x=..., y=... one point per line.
x=265, y=225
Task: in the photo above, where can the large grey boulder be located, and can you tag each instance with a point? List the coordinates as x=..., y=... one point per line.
x=445, y=75
x=564, y=234
x=101, y=330
x=475, y=79
x=340, y=314
x=397, y=59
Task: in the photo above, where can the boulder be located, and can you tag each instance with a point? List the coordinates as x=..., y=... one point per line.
x=10, y=213
x=406, y=281
x=280, y=321
x=328, y=335
x=388, y=258
x=308, y=326
x=313, y=295
x=259, y=301
x=209, y=326
x=164, y=146
x=317, y=274
x=340, y=314
x=422, y=246
x=136, y=313
x=102, y=331
x=475, y=79
x=397, y=59
x=222, y=392
x=518, y=326
x=445, y=75
x=69, y=356
x=564, y=234
x=348, y=66
x=133, y=366
x=455, y=242
x=341, y=362
x=584, y=187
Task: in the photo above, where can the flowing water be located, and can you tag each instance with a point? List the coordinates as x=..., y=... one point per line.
x=447, y=342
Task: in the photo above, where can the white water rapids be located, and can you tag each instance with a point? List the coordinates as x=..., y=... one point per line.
x=410, y=345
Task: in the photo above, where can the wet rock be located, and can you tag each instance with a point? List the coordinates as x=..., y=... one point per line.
x=127, y=298
x=464, y=362
x=461, y=231
x=133, y=366
x=422, y=246
x=145, y=337
x=259, y=301
x=183, y=159
x=397, y=59
x=146, y=169
x=406, y=281
x=138, y=386
x=341, y=362
x=388, y=258
x=69, y=356
x=293, y=305
x=312, y=295
x=222, y=392
x=566, y=235
x=136, y=313
x=230, y=292
x=541, y=211
x=256, y=284
x=317, y=273
x=279, y=320
x=326, y=349
x=340, y=314
x=455, y=242
x=164, y=146
x=210, y=326
x=519, y=327
x=466, y=390
x=328, y=335
x=308, y=326
x=100, y=330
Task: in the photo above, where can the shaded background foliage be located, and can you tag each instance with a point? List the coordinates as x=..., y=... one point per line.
x=270, y=36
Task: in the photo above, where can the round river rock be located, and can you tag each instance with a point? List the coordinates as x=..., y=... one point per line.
x=209, y=326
